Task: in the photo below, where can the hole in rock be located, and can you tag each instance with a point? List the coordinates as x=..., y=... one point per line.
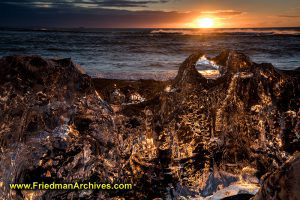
x=208, y=68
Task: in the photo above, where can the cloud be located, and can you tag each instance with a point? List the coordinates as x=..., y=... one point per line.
x=289, y=16
x=84, y=3
x=223, y=13
x=98, y=14
x=70, y=16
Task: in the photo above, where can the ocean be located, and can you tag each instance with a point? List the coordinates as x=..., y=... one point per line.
x=150, y=53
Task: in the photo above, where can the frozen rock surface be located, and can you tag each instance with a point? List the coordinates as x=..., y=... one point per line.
x=190, y=137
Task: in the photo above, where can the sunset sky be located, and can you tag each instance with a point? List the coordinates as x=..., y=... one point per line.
x=150, y=14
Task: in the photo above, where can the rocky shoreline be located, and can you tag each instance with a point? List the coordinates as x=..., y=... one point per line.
x=190, y=137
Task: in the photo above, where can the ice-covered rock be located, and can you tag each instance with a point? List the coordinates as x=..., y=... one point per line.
x=190, y=137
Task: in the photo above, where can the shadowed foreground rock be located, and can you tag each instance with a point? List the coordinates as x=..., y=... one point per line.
x=188, y=137
x=284, y=183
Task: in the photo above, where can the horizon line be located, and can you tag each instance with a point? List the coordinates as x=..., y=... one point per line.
x=81, y=27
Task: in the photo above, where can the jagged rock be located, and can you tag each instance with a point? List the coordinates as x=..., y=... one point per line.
x=190, y=137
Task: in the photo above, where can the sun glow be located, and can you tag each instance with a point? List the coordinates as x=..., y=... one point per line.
x=205, y=23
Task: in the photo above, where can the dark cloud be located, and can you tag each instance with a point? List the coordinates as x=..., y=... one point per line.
x=64, y=16
x=289, y=16
x=83, y=3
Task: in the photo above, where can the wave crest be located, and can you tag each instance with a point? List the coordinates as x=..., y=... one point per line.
x=231, y=31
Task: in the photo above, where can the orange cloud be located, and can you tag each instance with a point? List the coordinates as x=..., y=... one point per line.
x=223, y=13
x=289, y=16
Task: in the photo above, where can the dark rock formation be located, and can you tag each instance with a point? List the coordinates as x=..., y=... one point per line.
x=189, y=137
x=54, y=127
x=284, y=183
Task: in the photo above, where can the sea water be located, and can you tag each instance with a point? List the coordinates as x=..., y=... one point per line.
x=150, y=53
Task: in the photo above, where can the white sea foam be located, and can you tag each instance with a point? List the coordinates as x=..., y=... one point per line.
x=161, y=75
x=203, y=61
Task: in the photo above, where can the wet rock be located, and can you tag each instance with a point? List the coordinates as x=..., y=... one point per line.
x=233, y=61
x=190, y=137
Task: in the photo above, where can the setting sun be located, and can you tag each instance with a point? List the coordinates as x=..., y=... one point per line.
x=205, y=23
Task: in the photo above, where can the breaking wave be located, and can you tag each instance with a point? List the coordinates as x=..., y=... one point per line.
x=230, y=31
